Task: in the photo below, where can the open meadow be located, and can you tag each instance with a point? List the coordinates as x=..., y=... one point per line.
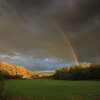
x=48, y=89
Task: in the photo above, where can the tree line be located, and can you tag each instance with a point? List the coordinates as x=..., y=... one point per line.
x=14, y=71
x=85, y=71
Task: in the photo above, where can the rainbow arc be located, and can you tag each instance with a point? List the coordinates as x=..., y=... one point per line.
x=71, y=48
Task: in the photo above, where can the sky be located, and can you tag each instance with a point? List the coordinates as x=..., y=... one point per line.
x=49, y=34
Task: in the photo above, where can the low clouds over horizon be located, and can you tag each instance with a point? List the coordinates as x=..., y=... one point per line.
x=27, y=30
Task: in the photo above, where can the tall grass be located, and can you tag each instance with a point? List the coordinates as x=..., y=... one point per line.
x=71, y=97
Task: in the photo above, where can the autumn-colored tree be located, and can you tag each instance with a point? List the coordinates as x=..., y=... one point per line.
x=10, y=71
x=84, y=64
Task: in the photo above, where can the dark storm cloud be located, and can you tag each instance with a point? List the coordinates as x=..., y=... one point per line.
x=25, y=27
x=39, y=3
x=82, y=14
x=32, y=33
x=82, y=24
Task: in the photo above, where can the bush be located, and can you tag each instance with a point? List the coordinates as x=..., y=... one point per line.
x=2, y=86
x=35, y=76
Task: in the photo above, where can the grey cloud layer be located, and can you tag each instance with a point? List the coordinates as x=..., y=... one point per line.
x=24, y=27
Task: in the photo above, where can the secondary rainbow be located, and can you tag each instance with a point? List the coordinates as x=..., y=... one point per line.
x=71, y=48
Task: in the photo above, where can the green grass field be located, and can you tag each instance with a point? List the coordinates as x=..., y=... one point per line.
x=53, y=88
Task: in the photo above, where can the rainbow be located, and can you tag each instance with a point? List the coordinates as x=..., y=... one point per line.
x=71, y=48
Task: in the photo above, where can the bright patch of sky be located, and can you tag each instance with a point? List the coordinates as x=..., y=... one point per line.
x=45, y=71
x=51, y=60
x=34, y=64
x=17, y=58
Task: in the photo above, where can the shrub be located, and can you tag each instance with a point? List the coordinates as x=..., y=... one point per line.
x=2, y=86
x=35, y=76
